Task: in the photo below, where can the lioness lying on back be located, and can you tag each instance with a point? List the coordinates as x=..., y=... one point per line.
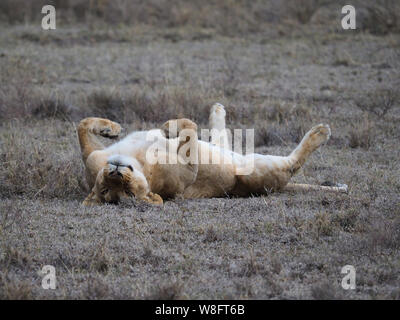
x=124, y=169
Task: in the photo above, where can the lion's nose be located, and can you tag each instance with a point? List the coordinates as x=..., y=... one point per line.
x=115, y=172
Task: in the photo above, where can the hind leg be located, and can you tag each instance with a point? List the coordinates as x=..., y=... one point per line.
x=219, y=134
x=273, y=172
x=311, y=141
x=340, y=188
x=216, y=119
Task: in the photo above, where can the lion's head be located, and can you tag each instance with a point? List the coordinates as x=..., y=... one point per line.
x=113, y=182
x=118, y=179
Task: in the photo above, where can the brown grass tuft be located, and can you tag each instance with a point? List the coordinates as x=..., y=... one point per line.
x=13, y=289
x=324, y=291
x=362, y=134
x=167, y=291
x=379, y=102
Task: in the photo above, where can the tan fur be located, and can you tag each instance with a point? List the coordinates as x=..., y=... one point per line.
x=122, y=170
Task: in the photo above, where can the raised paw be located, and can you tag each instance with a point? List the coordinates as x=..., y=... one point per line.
x=217, y=117
x=109, y=129
x=319, y=134
x=172, y=128
x=217, y=109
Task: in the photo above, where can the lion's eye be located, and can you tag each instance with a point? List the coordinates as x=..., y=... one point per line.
x=130, y=168
x=104, y=192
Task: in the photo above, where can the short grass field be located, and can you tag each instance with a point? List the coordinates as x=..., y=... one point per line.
x=278, y=69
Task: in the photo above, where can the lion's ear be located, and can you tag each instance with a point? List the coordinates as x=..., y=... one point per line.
x=91, y=200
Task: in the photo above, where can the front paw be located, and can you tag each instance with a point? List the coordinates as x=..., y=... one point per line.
x=90, y=203
x=109, y=129
x=91, y=200
x=172, y=128
x=154, y=198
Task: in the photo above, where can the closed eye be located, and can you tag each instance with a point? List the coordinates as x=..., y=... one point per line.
x=104, y=192
x=130, y=168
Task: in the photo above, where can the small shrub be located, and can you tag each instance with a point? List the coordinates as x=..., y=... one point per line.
x=267, y=134
x=101, y=261
x=303, y=10
x=251, y=267
x=384, y=234
x=276, y=265
x=168, y=291
x=324, y=291
x=362, y=135
x=379, y=102
x=282, y=113
x=383, y=17
x=107, y=104
x=15, y=258
x=211, y=235
x=322, y=224
x=13, y=289
x=273, y=288
x=51, y=108
x=96, y=289
x=347, y=220
x=149, y=106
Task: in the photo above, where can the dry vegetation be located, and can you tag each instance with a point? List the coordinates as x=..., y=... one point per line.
x=278, y=69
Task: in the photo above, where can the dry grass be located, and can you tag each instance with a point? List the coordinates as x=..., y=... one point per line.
x=363, y=134
x=279, y=81
x=379, y=102
x=227, y=17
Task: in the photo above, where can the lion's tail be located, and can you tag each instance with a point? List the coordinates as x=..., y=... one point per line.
x=89, y=128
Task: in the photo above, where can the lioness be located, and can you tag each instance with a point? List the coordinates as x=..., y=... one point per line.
x=124, y=169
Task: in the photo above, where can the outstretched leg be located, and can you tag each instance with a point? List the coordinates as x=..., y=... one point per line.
x=216, y=121
x=311, y=141
x=340, y=188
x=274, y=172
